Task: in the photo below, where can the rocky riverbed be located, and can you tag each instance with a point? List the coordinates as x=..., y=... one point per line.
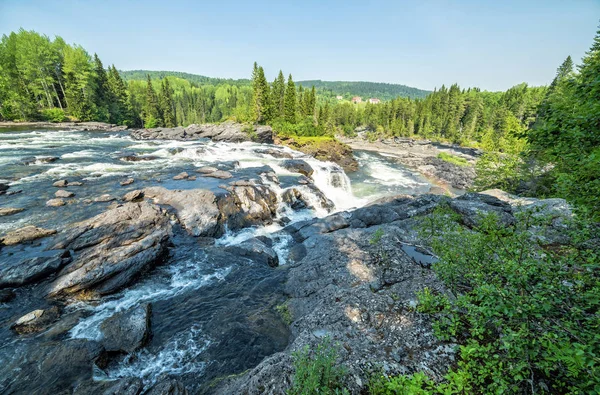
x=422, y=156
x=194, y=266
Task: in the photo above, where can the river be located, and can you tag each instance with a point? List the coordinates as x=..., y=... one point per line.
x=211, y=316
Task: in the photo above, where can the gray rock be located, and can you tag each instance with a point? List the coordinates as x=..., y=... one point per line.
x=127, y=181
x=257, y=251
x=30, y=266
x=226, y=131
x=60, y=183
x=127, y=331
x=36, y=321
x=168, y=387
x=9, y=211
x=138, y=158
x=75, y=184
x=222, y=174
x=181, y=176
x=206, y=170
x=3, y=188
x=22, y=235
x=111, y=249
x=48, y=159
x=61, y=193
x=134, y=196
x=104, y=198
x=298, y=166
x=56, y=203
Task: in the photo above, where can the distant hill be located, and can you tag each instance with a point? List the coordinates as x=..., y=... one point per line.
x=365, y=89
x=347, y=89
x=193, y=78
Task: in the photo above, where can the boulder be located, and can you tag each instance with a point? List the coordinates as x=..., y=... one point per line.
x=138, y=158
x=56, y=202
x=227, y=131
x=60, y=183
x=22, y=235
x=206, y=170
x=30, y=266
x=249, y=205
x=61, y=193
x=9, y=211
x=473, y=206
x=298, y=166
x=196, y=209
x=168, y=387
x=111, y=249
x=3, y=188
x=104, y=198
x=181, y=176
x=257, y=251
x=221, y=174
x=36, y=321
x=75, y=184
x=127, y=181
x=127, y=331
x=48, y=159
x=134, y=196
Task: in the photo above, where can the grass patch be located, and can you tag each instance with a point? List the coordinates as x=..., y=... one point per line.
x=285, y=313
x=455, y=160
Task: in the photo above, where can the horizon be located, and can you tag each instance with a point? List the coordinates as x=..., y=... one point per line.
x=489, y=46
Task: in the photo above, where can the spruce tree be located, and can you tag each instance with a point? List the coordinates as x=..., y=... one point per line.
x=166, y=104
x=151, y=111
x=101, y=91
x=277, y=95
x=290, y=101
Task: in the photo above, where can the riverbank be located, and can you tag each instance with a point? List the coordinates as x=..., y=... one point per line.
x=433, y=160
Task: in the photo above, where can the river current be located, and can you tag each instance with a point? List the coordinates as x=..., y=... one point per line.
x=209, y=314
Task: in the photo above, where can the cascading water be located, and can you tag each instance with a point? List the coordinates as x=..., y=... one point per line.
x=98, y=159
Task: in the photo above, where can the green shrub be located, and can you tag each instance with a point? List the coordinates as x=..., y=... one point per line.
x=285, y=313
x=455, y=160
x=317, y=373
x=54, y=115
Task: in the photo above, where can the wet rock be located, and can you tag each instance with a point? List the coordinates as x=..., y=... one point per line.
x=140, y=158
x=191, y=178
x=181, y=176
x=61, y=193
x=127, y=331
x=48, y=159
x=30, y=266
x=221, y=174
x=60, y=183
x=247, y=206
x=28, y=233
x=111, y=249
x=128, y=181
x=3, y=188
x=104, y=198
x=168, y=387
x=257, y=251
x=4, y=211
x=276, y=153
x=55, y=367
x=29, y=160
x=75, y=184
x=36, y=321
x=56, y=203
x=298, y=166
x=6, y=295
x=196, y=209
x=134, y=196
x=297, y=198
x=206, y=170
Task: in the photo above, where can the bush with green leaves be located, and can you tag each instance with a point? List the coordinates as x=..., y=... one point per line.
x=317, y=372
x=455, y=160
x=54, y=115
x=526, y=316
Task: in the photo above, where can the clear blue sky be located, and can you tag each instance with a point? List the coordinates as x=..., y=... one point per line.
x=493, y=44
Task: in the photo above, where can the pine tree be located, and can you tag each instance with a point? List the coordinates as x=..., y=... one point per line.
x=151, y=111
x=166, y=104
x=290, y=101
x=121, y=110
x=277, y=95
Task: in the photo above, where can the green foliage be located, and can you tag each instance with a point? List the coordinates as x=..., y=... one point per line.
x=54, y=115
x=455, y=160
x=317, y=372
x=414, y=384
x=285, y=313
x=348, y=89
x=376, y=237
x=526, y=316
x=566, y=135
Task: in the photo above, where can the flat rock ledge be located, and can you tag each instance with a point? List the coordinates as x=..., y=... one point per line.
x=227, y=131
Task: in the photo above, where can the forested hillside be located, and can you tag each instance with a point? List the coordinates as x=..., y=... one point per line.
x=197, y=79
x=365, y=90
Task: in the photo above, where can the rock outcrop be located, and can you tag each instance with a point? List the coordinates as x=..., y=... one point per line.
x=127, y=331
x=26, y=234
x=36, y=321
x=111, y=249
x=227, y=131
x=30, y=266
x=4, y=211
